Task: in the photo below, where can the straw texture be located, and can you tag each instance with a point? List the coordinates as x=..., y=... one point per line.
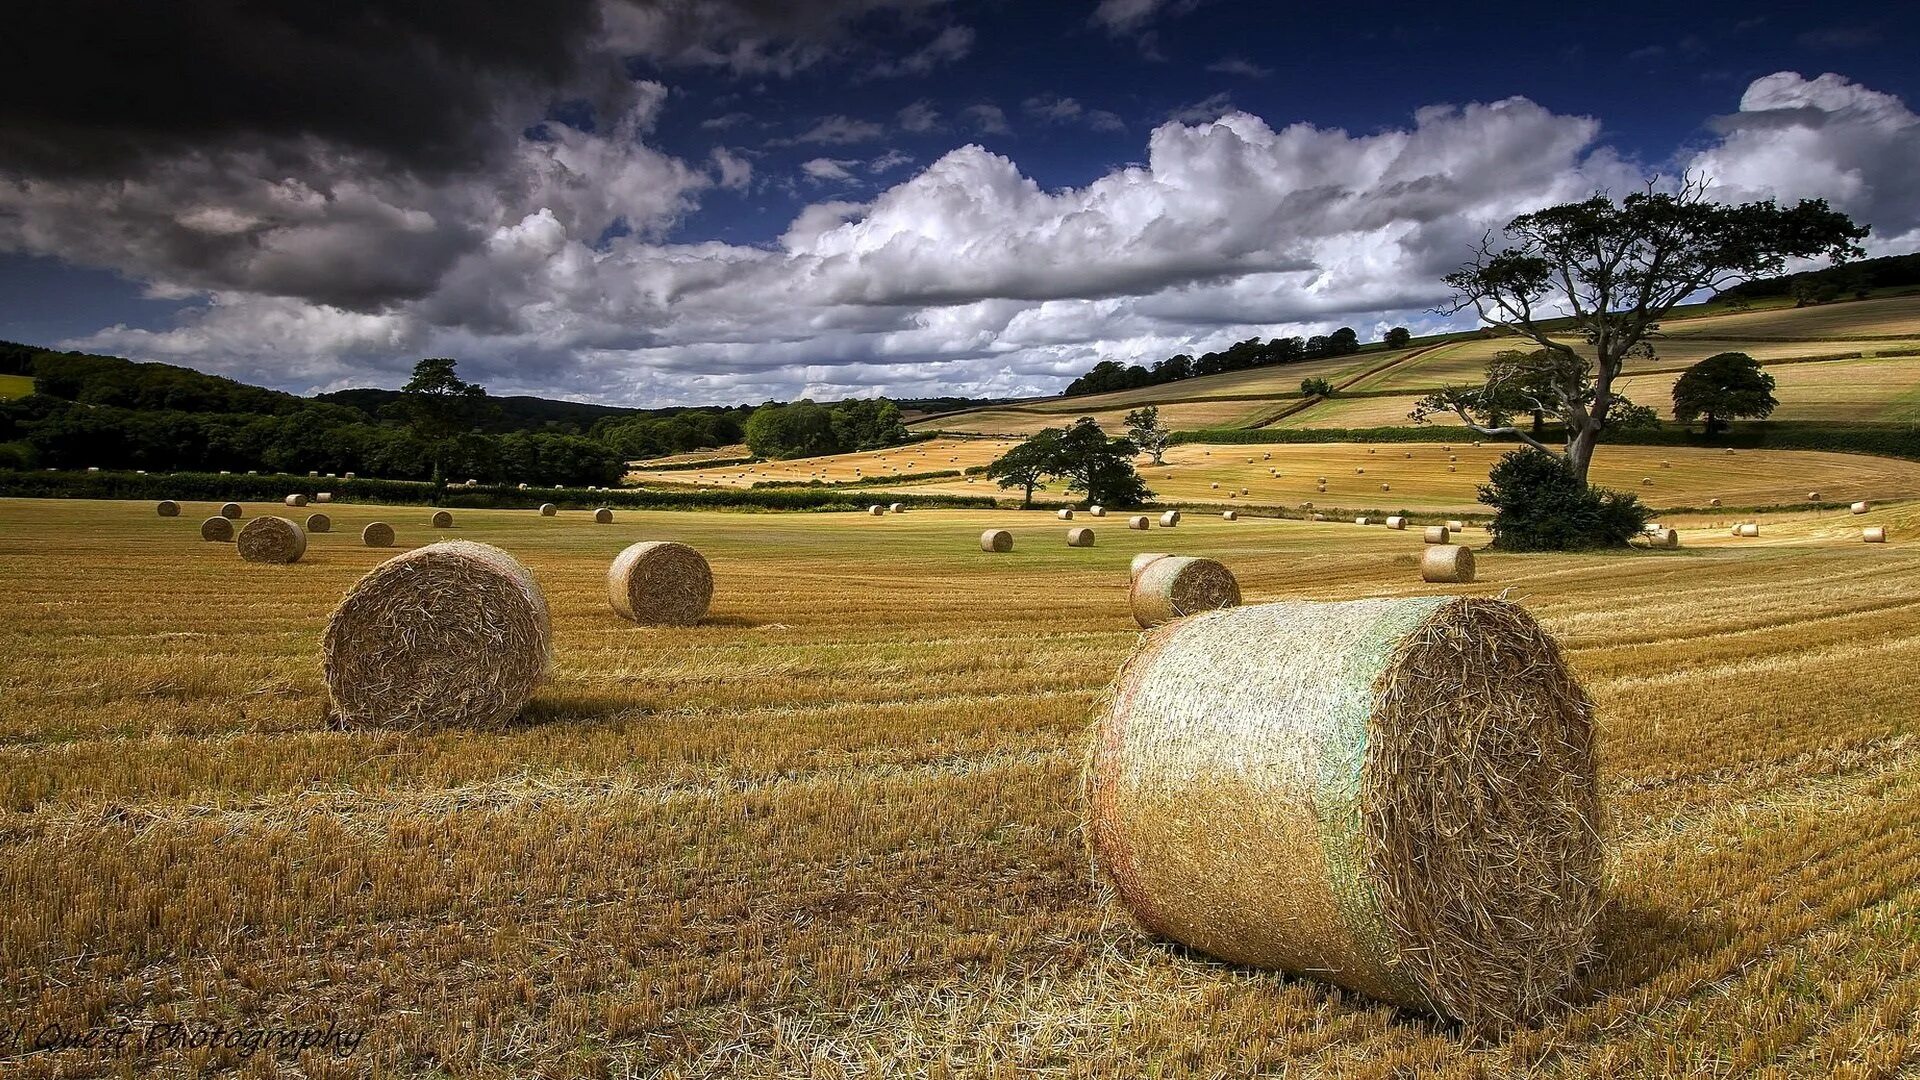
x=1400, y=800
x=1448, y=563
x=217, y=529
x=1141, y=560
x=230, y=510
x=660, y=583
x=272, y=540
x=377, y=534
x=996, y=540
x=454, y=634
x=1176, y=586
x=1437, y=534
x=442, y=519
x=1874, y=534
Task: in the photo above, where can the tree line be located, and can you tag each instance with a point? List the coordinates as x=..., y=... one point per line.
x=1110, y=375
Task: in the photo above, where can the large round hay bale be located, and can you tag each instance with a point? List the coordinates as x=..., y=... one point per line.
x=1097, y=511
x=272, y=540
x=1447, y=563
x=1080, y=537
x=454, y=634
x=442, y=519
x=1064, y=513
x=1363, y=520
x=217, y=529
x=603, y=516
x=1402, y=802
x=1874, y=534
x=1751, y=528
x=1861, y=508
x=897, y=508
x=996, y=540
x=660, y=583
x=548, y=510
x=1229, y=515
x=1177, y=586
x=1140, y=562
x=377, y=534
x=1169, y=519
x=877, y=510
x=230, y=510
x=167, y=508
x=1396, y=522
x=296, y=499
x=319, y=523
x=1139, y=522
x=1437, y=534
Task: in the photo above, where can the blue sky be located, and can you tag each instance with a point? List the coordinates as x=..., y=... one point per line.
x=710, y=200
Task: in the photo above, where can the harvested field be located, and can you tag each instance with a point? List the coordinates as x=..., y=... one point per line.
x=835, y=829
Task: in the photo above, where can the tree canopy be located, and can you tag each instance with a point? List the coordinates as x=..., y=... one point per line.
x=1094, y=465
x=1724, y=386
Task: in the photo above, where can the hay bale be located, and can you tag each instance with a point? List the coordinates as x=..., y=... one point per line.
x=897, y=508
x=1386, y=487
x=1140, y=562
x=167, y=508
x=1359, y=472
x=1874, y=534
x=1363, y=520
x=217, y=529
x=1169, y=519
x=323, y=496
x=660, y=583
x=996, y=540
x=1646, y=481
x=346, y=476
x=603, y=516
x=296, y=500
x=1664, y=538
x=1138, y=521
x=1176, y=586
x=1713, y=502
x=230, y=510
x=1396, y=522
x=876, y=510
x=1097, y=511
x=454, y=634
x=1861, y=508
x=442, y=519
x=1064, y=513
x=1081, y=537
x=377, y=534
x=1215, y=485
x=548, y=510
x=1449, y=563
x=1453, y=468
x=272, y=540
x=1813, y=496
x=319, y=523
x=1437, y=534
x=1404, y=804
x=1751, y=528
x=1229, y=515
x=1456, y=525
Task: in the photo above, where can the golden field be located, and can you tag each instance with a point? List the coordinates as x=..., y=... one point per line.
x=834, y=831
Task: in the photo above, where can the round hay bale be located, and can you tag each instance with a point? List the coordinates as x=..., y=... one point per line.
x=1729, y=449
x=1861, y=508
x=1751, y=528
x=1453, y=468
x=548, y=510
x=1874, y=534
x=1664, y=538
x=603, y=516
x=1138, y=521
x=1456, y=525
x=454, y=634
x=1082, y=537
x=296, y=500
x=1405, y=804
x=1140, y=562
x=319, y=523
x=1447, y=563
x=1215, y=485
x=1097, y=511
x=1646, y=481
x=996, y=540
x=1437, y=534
x=1363, y=520
x=442, y=519
x=346, y=476
x=323, y=496
x=1229, y=515
x=377, y=534
x=1714, y=502
x=1396, y=522
x=1813, y=496
x=877, y=510
x=272, y=540
x=1177, y=586
x=1666, y=464
x=230, y=510
x=1169, y=519
x=167, y=508
x=1064, y=514
x=897, y=508
x=1359, y=472
x=1386, y=487
x=217, y=529
x=660, y=583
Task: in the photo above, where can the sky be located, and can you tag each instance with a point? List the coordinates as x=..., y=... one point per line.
x=660, y=202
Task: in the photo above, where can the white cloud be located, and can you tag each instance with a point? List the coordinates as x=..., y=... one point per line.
x=949, y=45
x=736, y=172
x=1052, y=109
x=986, y=119
x=836, y=131
x=1126, y=16
x=919, y=117
x=823, y=170
x=889, y=161
x=1204, y=111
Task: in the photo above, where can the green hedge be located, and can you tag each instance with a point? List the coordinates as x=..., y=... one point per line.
x=864, y=482
x=213, y=487
x=695, y=466
x=1885, y=440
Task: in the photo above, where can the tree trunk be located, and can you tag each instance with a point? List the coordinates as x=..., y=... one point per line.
x=1027, y=503
x=1539, y=424
x=1580, y=451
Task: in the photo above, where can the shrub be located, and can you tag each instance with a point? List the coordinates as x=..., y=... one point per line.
x=1540, y=505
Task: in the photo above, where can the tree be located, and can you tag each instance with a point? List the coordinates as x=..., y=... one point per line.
x=802, y=429
x=1398, y=337
x=1316, y=387
x=1613, y=271
x=1029, y=464
x=1540, y=505
x=1097, y=466
x=439, y=406
x=1724, y=386
x=1144, y=430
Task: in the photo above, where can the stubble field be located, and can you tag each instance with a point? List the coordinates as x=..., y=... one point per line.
x=835, y=830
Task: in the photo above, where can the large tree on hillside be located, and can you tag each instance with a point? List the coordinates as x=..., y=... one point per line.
x=440, y=407
x=1098, y=466
x=1607, y=273
x=1028, y=465
x=1723, y=387
x=1144, y=430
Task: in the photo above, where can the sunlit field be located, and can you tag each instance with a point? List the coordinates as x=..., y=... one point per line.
x=834, y=830
x=934, y=455
x=14, y=386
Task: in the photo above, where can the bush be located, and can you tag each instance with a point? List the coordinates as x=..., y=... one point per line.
x=1540, y=505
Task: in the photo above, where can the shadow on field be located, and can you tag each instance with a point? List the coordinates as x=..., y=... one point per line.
x=1639, y=940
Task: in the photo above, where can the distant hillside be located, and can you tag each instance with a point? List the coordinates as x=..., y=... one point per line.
x=517, y=413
